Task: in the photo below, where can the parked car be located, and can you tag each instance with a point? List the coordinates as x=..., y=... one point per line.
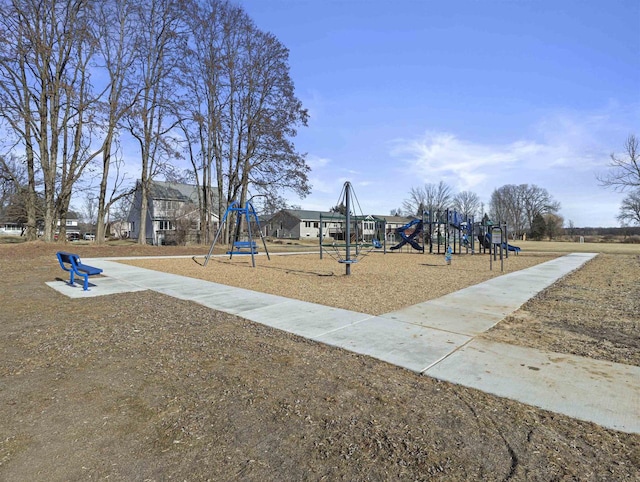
x=89, y=236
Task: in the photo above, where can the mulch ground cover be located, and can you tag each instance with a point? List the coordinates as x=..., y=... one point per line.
x=141, y=386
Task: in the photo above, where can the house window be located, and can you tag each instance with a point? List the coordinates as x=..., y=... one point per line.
x=315, y=225
x=165, y=225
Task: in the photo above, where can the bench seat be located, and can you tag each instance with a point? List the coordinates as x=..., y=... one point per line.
x=71, y=262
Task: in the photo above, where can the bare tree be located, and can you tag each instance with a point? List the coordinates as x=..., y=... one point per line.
x=571, y=228
x=48, y=94
x=624, y=172
x=536, y=200
x=13, y=178
x=438, y=196
x=630, y=208
x=505, y=206
x=16, y=107
x=431, y=198
x=416, y=203
x=467, y=203
x=90, y=209
x=519, y=205
x=15, y=195
x=244, y=111
x=202, y=80
x=116, y=31
x=150, y=121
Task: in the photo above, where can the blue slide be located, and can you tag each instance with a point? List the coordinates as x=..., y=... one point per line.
x=410, y=238
x=511, y=247
x=487, y=243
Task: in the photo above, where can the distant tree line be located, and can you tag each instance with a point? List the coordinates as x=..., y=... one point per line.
x=524, y=208
x=624, y=231
x=181, y=79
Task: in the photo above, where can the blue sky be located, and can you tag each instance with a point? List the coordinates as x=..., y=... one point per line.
x=477, y=94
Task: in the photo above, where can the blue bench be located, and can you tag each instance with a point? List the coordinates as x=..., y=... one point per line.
x=71, y=263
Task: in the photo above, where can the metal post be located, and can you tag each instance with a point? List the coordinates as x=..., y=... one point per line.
x=246, y=213
x=384, y=236
x=220, y=227
x=347, y=195
x=320, y=235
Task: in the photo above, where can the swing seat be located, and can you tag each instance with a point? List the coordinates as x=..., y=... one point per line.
x=245, y=245
x=239, y=247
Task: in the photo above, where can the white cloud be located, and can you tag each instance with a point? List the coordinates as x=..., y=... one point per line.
x=317, y=162
x=461, y=163
x=578, y=141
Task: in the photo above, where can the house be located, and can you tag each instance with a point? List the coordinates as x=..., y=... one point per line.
x=305, y=224
x=302, y=224
x=10, y=229
x=393, y=223
x=72, y=227
x=120, y=229
x=172, y=213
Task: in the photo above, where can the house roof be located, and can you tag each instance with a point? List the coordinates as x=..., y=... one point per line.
x=173, y=191
x=395, y=219
x=308, y=215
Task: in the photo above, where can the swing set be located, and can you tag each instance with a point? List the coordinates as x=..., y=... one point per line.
x=238, y=246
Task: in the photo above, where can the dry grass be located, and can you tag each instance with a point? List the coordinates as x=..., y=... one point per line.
x=569, y=247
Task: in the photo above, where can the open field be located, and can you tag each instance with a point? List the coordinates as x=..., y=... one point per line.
x=140, y=386
x=567, y=247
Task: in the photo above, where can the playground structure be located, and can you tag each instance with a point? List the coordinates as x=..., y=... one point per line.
x=352, y=236
x=484, y=236
x=440, y=229
x=408, y=234
x=450, y=228
x=243, y=215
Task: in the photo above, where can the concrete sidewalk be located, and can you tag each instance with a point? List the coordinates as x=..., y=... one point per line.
x=435, y=338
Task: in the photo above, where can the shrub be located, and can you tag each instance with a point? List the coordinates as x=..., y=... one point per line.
x=631, y=240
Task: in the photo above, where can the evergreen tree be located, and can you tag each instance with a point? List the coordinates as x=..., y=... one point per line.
x=538, y=227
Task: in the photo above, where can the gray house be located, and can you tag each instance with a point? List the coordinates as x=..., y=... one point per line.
x=304, y=224
x=172, y=213
x=300, y=224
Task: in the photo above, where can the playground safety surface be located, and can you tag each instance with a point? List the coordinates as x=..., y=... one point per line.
x=436, y=338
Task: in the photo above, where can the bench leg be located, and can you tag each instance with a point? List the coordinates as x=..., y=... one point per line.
x=86, y=282
x=71, y=278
